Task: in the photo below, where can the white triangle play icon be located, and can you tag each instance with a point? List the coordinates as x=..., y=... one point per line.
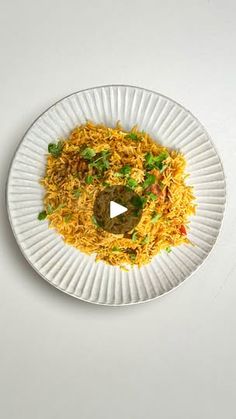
x=116, y=209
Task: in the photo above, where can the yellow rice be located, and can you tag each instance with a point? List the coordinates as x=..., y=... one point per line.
x=72, y=216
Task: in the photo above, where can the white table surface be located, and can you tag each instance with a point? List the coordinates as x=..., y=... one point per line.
x=173, y=358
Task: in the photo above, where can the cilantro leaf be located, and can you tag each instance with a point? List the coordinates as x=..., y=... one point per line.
x=89, y=179
x=148, y=159
x=88, y=153
x=155, y=162
x=101, y=162
x=125, y=170
x=149, y=180
x=42, y=215
x=49, y=210
x=152, y=196
x=132, y=183
x=133, y=136
x=55, y=149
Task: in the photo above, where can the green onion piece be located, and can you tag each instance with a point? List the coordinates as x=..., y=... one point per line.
x=168, y=249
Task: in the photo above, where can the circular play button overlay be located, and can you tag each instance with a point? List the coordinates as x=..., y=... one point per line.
x=117, y=209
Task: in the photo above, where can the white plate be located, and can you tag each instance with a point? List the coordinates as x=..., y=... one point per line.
x=76, y=273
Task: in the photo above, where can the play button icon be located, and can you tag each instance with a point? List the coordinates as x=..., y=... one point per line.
x=117, y=209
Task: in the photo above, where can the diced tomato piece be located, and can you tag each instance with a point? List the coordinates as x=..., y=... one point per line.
x=183, y=230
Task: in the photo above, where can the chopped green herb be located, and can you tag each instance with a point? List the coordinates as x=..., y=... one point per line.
x=132, y=257
x=67, y=218
x=134, y=236
x=138, y=201
x=168, y=249
x=152, y=196
x=134, y=137
x=145, y=239
x=149, y=180
x=125, y=170
x=106, y=184
x=42, y=215
x=155, y=217
x=148, y=159
x=55, y=149
x=132, y=183
x=49, y=209
x=156, y=162
x=101, y=163
x=77, y=192
x=88, y=153
x=89, y=179
x=95, y=222
x=116, y=249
